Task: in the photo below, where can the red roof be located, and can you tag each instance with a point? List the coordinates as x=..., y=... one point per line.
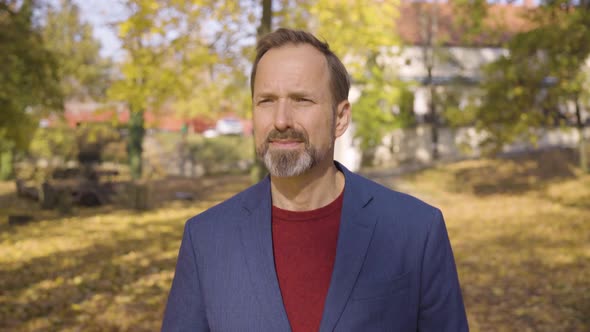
x=501, y=23
x=165, y=119
x=75, y=113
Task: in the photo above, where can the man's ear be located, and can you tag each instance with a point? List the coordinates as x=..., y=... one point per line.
x=343, y=117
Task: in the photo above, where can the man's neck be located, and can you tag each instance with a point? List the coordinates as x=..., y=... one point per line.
x=316, y=188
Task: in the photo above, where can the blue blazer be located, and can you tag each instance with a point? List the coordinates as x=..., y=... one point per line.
x=394, y=268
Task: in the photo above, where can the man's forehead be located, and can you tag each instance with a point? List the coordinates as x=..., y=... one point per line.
x=303, y=53
x=291, y=68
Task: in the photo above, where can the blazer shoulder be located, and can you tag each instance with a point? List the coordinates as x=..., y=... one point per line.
x=398, y=208
x=390, y=197
x=227, y=210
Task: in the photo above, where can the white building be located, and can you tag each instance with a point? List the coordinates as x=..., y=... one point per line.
x=430, y=34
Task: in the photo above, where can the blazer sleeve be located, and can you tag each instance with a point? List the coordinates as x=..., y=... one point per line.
x=185, y=310
x=441, y=302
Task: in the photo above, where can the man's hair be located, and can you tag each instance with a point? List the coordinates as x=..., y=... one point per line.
x=339, y=81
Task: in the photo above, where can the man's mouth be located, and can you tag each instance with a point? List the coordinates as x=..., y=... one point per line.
x=290, y=139
x=285, y=143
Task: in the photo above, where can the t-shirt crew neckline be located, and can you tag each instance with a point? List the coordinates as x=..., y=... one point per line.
x=310, y=215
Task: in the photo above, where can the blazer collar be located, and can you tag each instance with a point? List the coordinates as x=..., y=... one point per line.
x=356, y=229
x=256, y=231
x=355, y=232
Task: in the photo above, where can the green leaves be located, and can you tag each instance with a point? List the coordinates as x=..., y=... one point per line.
x=29, y=85
x=362, y=33
x=543, y=74
x=374, y=113
x=167, y=52
x=84, y=73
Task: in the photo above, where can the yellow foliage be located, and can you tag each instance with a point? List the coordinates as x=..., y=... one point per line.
x=354, y=27
x=519, y=228
x=520, y=233
x=101, y=270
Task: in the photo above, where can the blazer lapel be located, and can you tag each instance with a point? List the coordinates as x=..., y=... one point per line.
x=256, y=234
x=356, y=230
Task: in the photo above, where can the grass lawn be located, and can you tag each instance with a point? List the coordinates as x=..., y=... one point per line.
x=104, y=269
x=520, y=229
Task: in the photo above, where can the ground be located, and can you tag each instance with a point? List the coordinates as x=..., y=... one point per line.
x=520, y=230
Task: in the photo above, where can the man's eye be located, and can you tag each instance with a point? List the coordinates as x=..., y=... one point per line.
x=264, y=101
x=302, y=100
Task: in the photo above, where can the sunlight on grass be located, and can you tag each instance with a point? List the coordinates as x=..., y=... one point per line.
x=520, y=229
x=107, y=271
x=68, y=234
x=521, y=234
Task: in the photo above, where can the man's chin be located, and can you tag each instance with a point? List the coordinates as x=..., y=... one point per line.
x=286, y=173
x=287, y=164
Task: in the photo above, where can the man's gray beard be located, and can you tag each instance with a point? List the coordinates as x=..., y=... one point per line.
x=285, y=163
x=289, y=163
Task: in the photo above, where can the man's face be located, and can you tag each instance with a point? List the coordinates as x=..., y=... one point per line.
x=294, y=116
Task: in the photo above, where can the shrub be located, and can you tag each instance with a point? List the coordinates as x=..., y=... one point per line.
x=222, y=154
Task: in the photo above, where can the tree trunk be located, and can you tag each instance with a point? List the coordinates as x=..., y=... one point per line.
x=258, y=169
x=266, y=20
x=135, y=142
x=138, y=193
x=6, y=164
x=584, y=151
x=583, y=145
x=433, y=119
x=182, y=152
x=429, y=30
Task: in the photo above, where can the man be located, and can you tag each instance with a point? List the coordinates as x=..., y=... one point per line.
x=313, y=247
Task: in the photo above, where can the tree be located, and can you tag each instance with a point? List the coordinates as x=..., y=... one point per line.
x=543, y=80
x=30, y=87
x=365, y=29
x=363, y=34
x=374, y=111
x=431, y=49
x=166, y=57
x=192, y=53
x=84, y=73
x=448, y=36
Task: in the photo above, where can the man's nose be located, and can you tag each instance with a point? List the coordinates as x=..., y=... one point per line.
x=283, y=117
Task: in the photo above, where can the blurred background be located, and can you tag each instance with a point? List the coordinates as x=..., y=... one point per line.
x=120, y=119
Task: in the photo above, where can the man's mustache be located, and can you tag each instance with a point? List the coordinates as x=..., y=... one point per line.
x=289, y=134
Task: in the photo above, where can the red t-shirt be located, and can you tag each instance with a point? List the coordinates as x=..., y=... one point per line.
x=304, y=244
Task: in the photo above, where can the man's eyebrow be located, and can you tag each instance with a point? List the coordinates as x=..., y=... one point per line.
x=300, y=94
x=264, y=95
x=294, y=94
